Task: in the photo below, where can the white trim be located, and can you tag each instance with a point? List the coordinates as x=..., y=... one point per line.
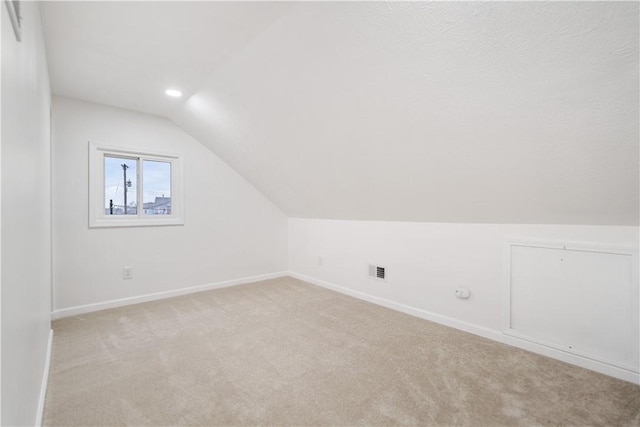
x=45, y=382
x=537, y=340
x=573, y=245
x=482, y=331
x=511, y=241
x=88, y=308
x=97, y=217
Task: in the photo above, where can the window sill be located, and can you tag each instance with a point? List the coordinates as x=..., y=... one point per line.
x=134, y=222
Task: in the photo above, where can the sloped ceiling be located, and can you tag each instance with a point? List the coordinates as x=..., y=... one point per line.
x=126, y=54
x=506, y=112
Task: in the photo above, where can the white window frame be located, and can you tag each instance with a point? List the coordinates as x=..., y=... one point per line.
x=97, y=215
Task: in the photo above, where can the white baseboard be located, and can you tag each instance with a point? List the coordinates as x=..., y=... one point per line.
x=603, y=368
x=45, y=382
x=81, y=309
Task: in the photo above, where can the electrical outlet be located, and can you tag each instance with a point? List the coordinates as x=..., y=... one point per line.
x=462, y=293
x=320, y=261
x=127, y=273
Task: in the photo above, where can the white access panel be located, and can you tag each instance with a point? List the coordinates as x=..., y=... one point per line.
x=580, y=300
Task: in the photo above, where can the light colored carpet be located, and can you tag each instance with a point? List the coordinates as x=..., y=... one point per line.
x=283, y=352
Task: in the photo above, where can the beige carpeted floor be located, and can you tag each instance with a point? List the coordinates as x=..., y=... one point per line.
x=283, y=352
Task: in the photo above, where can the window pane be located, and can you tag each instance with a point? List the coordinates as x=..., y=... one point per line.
x=156, y=187
x=120, y=186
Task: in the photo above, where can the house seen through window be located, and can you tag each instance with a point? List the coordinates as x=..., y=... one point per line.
x=121, y=186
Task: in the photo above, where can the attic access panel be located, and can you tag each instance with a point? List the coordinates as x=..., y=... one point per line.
x=582, y=300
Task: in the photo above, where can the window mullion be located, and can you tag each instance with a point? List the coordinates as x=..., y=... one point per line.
x=139, y=202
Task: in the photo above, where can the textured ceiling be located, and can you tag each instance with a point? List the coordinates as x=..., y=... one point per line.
x=508, y=112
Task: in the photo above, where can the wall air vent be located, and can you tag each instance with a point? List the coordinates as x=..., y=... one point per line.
x=377, y=272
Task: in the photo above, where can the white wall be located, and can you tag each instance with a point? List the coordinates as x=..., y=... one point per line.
x=26, y=222
x=426, y=262
x=231, y=230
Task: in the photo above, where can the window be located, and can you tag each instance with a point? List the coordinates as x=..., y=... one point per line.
x=134, y=188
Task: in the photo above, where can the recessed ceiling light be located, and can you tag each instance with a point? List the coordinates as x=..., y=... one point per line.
x=173, y=92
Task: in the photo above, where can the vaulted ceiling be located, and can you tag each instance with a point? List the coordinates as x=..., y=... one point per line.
x=508, y=112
